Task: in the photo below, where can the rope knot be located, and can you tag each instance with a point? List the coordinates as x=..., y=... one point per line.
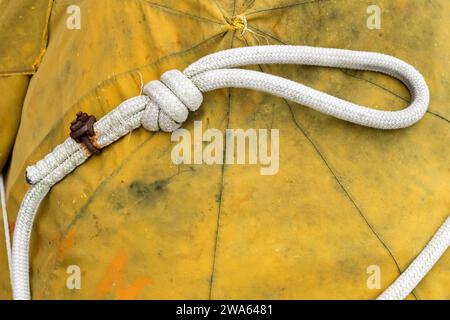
x=171, y=99
x=238, y=22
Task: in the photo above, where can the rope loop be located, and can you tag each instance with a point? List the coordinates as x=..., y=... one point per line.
x=177, y=93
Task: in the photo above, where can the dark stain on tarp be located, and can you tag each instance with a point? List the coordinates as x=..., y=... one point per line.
x=145, y=191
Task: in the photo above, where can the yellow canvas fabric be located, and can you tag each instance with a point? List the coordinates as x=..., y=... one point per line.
x=23, y=39
x=138, y=226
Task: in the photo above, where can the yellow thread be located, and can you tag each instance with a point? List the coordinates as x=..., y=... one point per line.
x=239, y=22
x=142, y=82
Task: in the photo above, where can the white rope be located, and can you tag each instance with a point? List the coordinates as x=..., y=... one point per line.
x=212, y=72
x=411, y=277
x=5, y=223
x=52, y=169
x=167, y=102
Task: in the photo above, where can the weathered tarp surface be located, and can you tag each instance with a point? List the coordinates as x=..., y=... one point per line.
x=139, y=226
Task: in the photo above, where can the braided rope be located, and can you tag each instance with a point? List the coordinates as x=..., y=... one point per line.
x=166, y=103
x=423, y=263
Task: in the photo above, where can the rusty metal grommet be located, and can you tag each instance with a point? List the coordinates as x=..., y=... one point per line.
x=82, y=130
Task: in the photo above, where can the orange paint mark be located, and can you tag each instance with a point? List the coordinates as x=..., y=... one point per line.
x=66, y=243
x=50, y=259
x=114, y=273
x=55, y=239
x=132, y=291
x=113, y=282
